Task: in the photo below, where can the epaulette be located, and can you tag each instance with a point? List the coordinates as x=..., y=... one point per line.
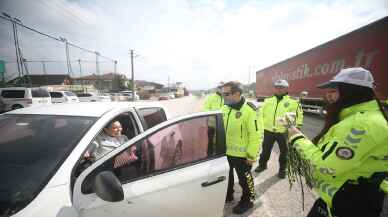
x=250, y=104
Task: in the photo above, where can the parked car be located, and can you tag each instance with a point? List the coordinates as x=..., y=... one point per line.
x=171, y=95
x=93, y=97
x=129, y=94
x=63, y=97
x=164, y=96
x=48, y=176
x=19, y=97
x=118, y=97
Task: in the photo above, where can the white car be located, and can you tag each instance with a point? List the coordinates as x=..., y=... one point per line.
x=176, y=173
x=129, y=94
x=63, y=97
x=20, y=97
x=93, y=97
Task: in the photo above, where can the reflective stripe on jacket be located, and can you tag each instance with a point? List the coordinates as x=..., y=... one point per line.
x=355, y=147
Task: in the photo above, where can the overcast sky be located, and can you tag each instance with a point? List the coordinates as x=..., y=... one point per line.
x=196, y=42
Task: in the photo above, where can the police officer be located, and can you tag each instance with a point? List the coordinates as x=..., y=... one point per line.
x=243, y=128
x=349, y=158
x=272, y=109
x=299, y=110
x=215, y=100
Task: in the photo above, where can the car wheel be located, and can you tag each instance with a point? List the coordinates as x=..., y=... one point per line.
x=17, y=106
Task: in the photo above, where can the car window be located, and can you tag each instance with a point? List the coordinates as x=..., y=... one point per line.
x=83, y=94
x=55, y=94
x=39, y=92
x=29, y=156
x=12, y=93
x=152, y=116
x=176, y=146
x=67, y=93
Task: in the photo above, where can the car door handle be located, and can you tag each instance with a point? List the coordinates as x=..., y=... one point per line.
x=219, y=179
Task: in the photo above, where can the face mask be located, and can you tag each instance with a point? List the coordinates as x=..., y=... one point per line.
x=229, y=102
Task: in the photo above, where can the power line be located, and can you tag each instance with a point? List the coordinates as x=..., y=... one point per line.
x=52, y=37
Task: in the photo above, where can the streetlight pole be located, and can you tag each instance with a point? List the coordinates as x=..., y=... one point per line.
x=133, y=77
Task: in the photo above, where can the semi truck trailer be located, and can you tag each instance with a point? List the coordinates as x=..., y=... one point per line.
x=365, y=47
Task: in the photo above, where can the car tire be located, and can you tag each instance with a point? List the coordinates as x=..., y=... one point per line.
x=16, y=106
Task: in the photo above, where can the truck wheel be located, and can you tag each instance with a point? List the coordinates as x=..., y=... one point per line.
x=16, y=106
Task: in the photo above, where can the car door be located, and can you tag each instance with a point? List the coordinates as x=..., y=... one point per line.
x=174, y=169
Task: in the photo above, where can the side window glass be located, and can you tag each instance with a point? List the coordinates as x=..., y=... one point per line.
x=178, y=145
x=55, y=94
x=39, y=92
x=152, y=116
x=12, y=93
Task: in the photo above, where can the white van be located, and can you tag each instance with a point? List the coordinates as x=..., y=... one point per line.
x=63, y=97
x=19, y=97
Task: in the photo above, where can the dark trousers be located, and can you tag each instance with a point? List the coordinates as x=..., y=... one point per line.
x=245, y=178
x=319, y=209
x=269, y=139
x=360, y=200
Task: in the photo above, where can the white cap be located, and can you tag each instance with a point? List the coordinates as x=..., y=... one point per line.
x=357, y=76
x=281, y=83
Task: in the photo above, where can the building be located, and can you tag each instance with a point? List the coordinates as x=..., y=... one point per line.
x=104, y=83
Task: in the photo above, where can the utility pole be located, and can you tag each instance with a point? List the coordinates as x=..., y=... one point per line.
x=64, y=40
x=44, y=67
x=249, y=75
x=80, y=74
x=98, y=71
x=168, y=84
x=115, y=67
x=16, y=41
x=133, y=77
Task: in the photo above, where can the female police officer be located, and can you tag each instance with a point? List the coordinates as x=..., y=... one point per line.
x=349, y=158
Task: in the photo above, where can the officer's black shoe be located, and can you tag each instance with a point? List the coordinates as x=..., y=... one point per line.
x=229, y=199
x=282, y=174
x=242, y=207
x=260, y=168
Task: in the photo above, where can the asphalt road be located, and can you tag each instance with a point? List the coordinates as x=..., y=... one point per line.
x=274, y=196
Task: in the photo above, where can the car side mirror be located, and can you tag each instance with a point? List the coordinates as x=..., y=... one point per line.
x=108, y=187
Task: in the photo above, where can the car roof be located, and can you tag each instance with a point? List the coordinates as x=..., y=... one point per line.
x=20, y=88
x=88, y=109
x=13, y=88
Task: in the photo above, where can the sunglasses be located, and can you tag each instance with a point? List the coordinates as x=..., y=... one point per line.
x=227, y=93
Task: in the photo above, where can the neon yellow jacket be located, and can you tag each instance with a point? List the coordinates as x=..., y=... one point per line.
x=355, y=147
x=272, y=110
x=244, y=131
x=213, y=102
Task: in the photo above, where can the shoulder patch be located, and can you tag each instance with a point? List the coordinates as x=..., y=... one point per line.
x=344, y=153
x=250, y=104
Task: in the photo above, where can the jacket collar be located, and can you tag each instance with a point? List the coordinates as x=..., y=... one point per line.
x=238, y=105
x=361, y=107
x=285, y=96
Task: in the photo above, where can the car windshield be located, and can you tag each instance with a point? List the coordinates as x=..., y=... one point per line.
x=69, y=93
x=30, y=156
